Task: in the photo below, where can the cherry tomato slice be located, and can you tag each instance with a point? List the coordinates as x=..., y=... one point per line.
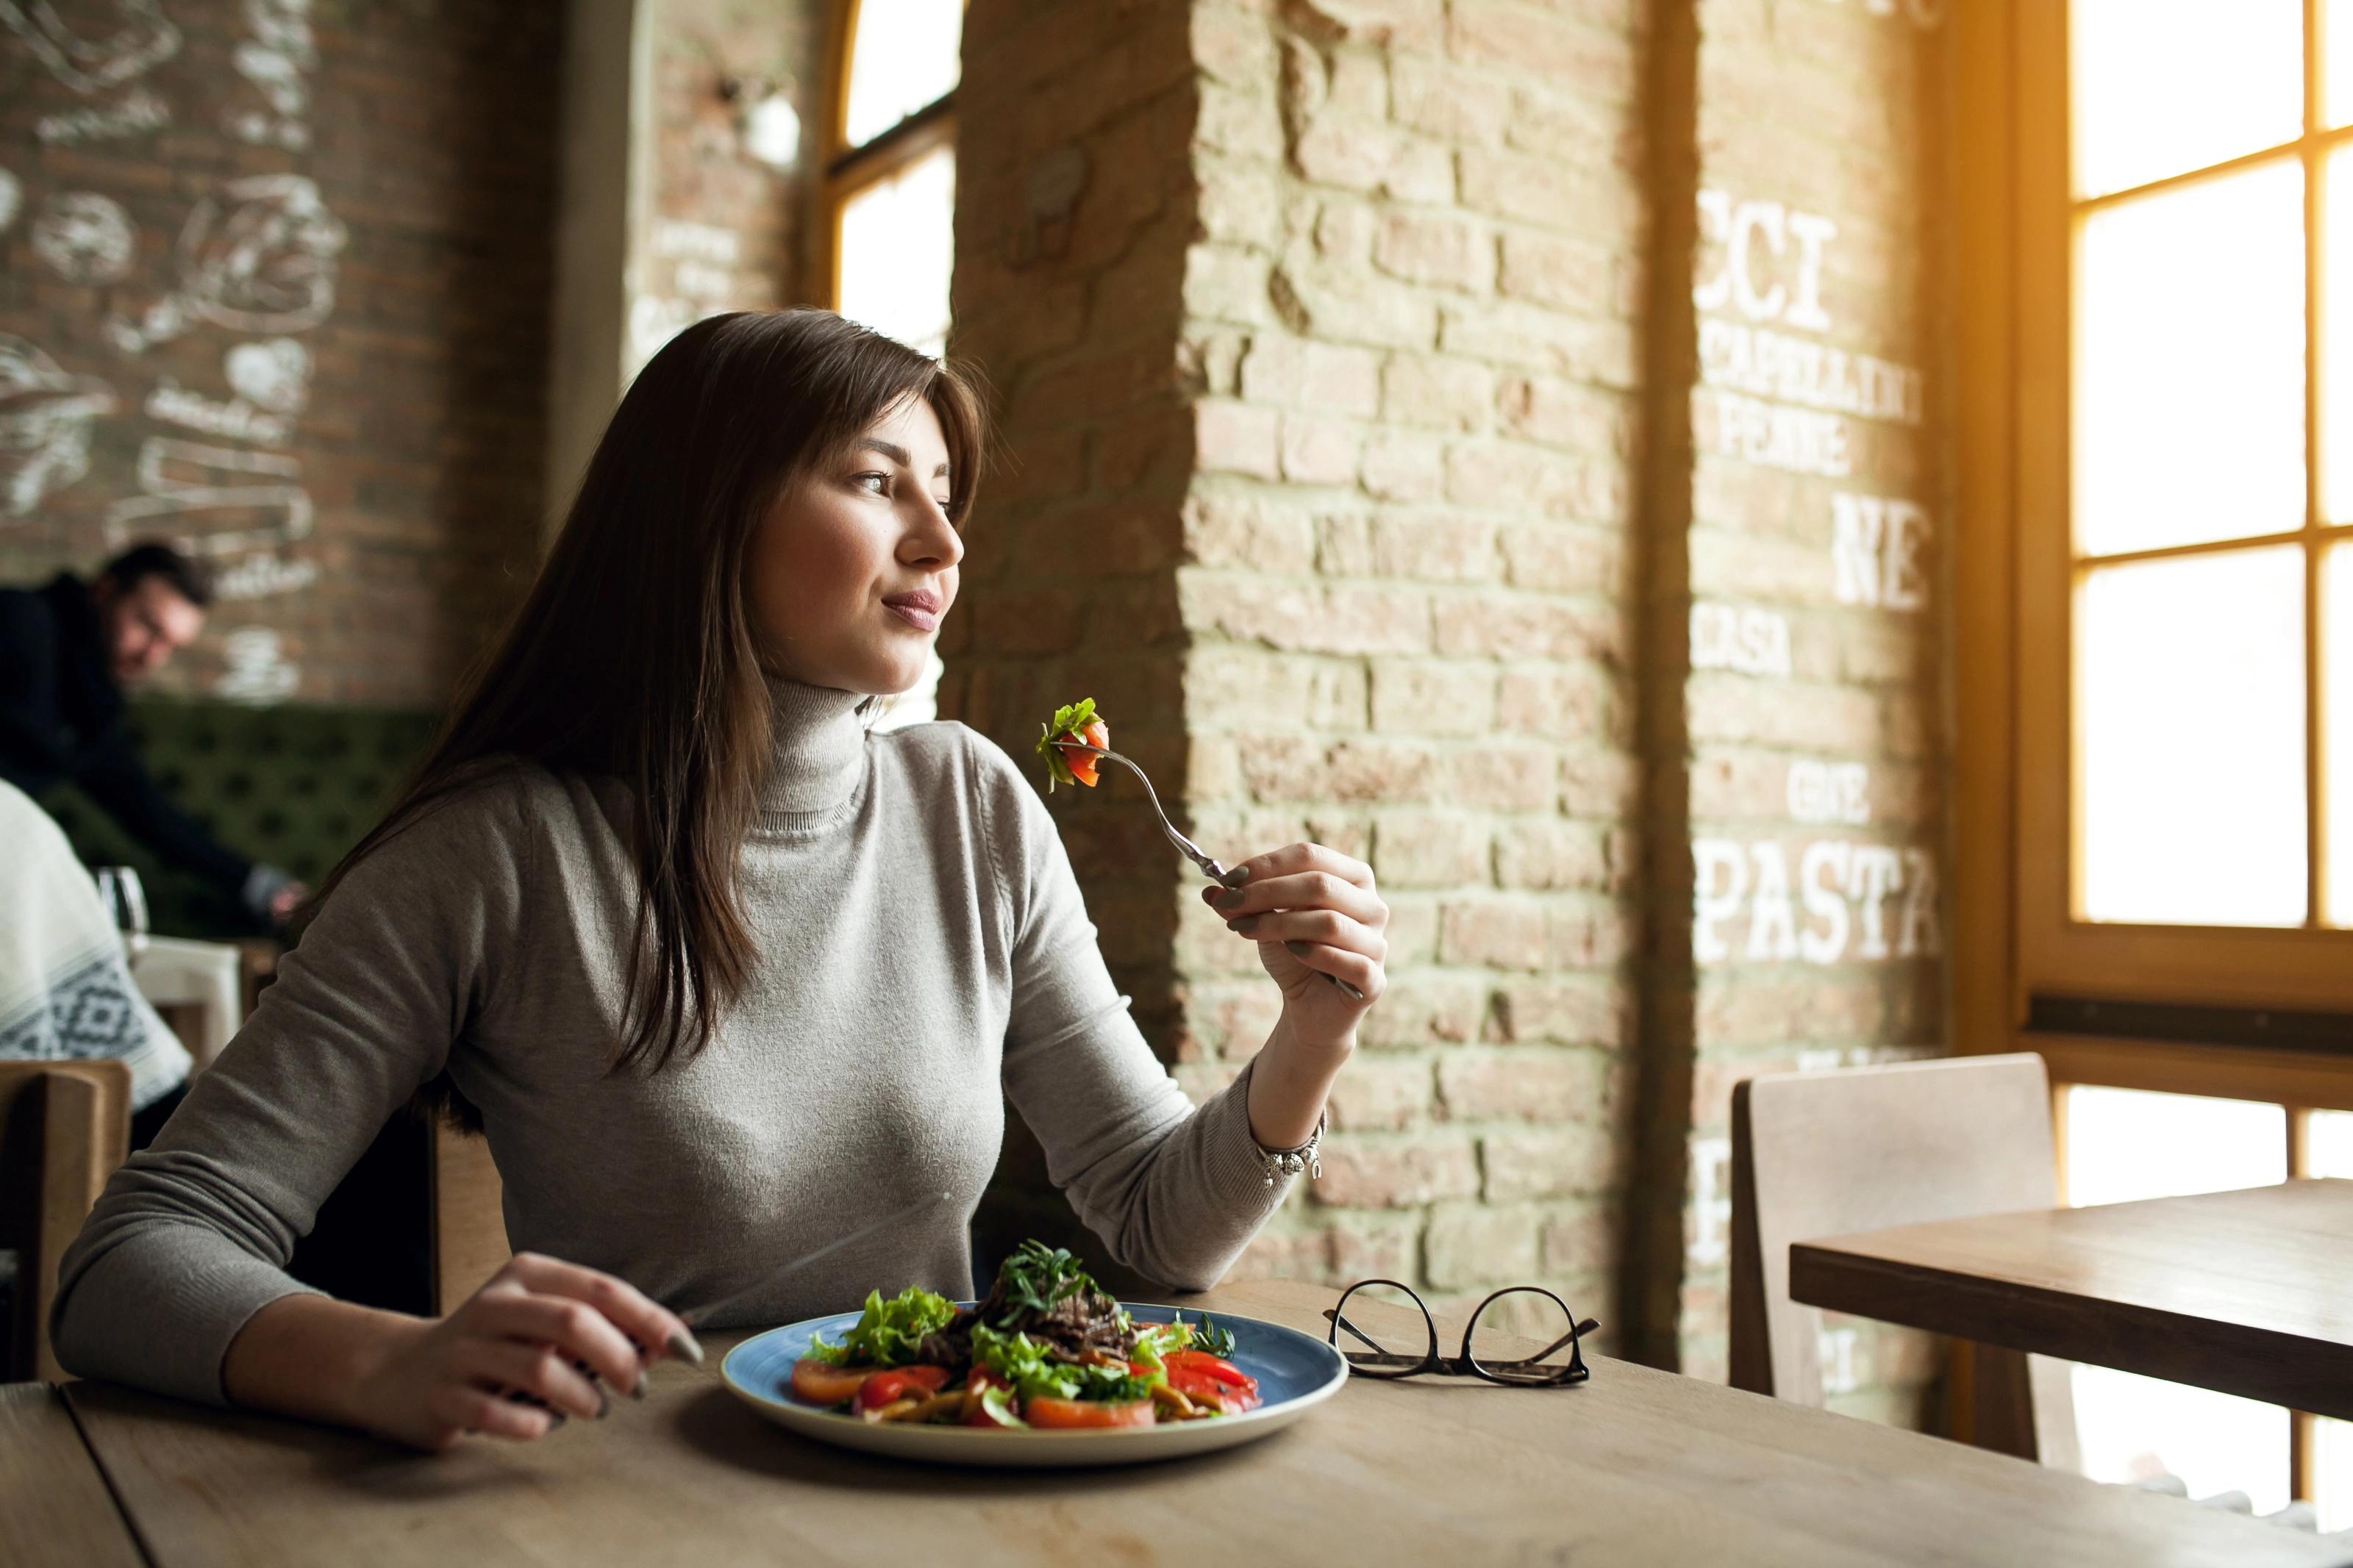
x=979, y=1414
x=822, y=1382
x=1075, y=1413
x=887, y=1387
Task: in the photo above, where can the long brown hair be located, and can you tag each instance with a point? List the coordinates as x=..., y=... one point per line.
x=635, y=656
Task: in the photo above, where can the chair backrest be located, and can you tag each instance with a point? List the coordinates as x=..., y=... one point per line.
x=64, y=1127
x=1830, y=1153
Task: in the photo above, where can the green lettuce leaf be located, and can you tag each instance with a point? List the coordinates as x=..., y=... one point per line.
x=891, y=1332
x=1022, y=1361
x=1067, y=720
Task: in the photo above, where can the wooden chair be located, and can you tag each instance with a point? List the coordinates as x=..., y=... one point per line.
x=1830, y=1153
x=64, y=1127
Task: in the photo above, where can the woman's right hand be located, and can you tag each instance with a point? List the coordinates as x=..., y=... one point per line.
x=530, y=1331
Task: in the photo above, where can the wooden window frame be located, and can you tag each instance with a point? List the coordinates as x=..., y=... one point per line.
x=2015, y=935
x=846, y=170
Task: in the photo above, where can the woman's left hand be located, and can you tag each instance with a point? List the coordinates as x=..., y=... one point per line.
x=1315, y=914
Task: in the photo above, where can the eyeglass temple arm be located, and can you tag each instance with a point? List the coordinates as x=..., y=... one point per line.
x=1570, y=1338
x=1332, y=1315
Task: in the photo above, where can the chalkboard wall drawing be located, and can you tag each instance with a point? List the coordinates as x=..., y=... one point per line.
x=85, y=238
x=259, y=258
x=45, y=421
x=215, y=501
x=12, y=196
x=92, y=46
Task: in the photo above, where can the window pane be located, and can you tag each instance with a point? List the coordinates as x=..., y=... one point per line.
x=2333, y=1465
x=2337, y=730
x=2189, y=396
x=898, y=247
x=2124, y=1144
x=2328, y=1151
x=2335, y=476
x=2336, y=62
x=2190, y=716
x=2136, y=1429
x=907, y=54
x=2165, y=86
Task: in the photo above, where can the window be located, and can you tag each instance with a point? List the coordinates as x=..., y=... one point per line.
x=2154, y=576
x=889, y=194
x=890, y=186
x=2185, y=819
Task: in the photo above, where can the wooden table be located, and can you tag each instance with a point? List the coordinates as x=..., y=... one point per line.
x=1636, y=1467
x=2248, y=1293
x=54, y=1505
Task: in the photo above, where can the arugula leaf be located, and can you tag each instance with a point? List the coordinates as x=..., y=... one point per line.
x=1037, y=1276
x=891, y=1332
x=1218, y=1342
x=1068, y=721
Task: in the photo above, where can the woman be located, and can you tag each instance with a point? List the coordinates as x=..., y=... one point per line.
x=727, y=976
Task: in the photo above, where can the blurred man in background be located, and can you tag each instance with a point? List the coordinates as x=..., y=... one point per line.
x=67, y=651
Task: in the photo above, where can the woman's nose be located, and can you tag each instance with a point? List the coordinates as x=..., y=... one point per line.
x=933, y=540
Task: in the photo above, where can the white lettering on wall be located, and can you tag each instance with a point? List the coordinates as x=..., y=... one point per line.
x=1711, y=1200
x=1830, y=792
x=1748, y=639
x=1779, y=437
x=1878, y=900
x=1759, y=359
x=45, y=416
x=1877, y=544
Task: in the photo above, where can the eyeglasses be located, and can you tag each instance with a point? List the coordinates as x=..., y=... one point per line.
x=1390, y=1344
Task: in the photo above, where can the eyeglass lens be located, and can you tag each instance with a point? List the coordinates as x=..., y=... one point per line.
x=1382, y=1331
x=1524, y=1335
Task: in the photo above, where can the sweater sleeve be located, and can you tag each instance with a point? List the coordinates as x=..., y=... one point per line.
x=1175, y=1192
x=192, y=1235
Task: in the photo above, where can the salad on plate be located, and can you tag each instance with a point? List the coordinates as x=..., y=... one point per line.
x=1046, y=1350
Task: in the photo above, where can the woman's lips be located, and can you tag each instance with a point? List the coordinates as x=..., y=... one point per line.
x=920, y=610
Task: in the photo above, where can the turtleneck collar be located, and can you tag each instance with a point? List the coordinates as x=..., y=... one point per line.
x=820, y=752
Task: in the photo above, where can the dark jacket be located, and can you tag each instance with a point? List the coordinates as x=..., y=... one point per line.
x=61, y=722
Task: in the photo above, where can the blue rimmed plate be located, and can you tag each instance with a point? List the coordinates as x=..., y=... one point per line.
x=1296, y=1373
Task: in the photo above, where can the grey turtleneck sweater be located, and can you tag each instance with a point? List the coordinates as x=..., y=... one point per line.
x=922, y=947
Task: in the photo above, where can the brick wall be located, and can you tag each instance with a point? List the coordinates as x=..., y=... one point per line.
x=371, y=400
x=1428, y=510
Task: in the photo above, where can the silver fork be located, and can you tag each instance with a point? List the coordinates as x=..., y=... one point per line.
x=1190, y=850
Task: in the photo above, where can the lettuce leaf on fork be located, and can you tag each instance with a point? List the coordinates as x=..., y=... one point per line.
x=1068, y=721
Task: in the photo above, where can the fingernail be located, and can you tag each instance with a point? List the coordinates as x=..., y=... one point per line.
x=1243, y=926
x=1297, y=949
x=683, y=1346
x=1233, y=901
x=604, y=1405
x=639, y=1391
x=556, y=1418
x=1238, y=876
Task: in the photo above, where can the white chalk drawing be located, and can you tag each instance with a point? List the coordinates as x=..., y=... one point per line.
x=12, y=198
x=45, y=422
x=1877, y=544
x=223, y=501
x=676, y=240
x=258, y=674
x=259, y=258
x=1830, y=792
x=277, y=59
x=140, y=113
x=1711, y=1206
x=262, y=576
x=235, y=419
x=1844, y=886
x=1768, y=364
x=94, y=60
x=85, y=238
x=274, y=373
x=1742, y=638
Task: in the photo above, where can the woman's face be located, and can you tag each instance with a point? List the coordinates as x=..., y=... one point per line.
x=855, y=566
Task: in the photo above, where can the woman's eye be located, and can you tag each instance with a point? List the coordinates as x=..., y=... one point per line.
x=874, y=484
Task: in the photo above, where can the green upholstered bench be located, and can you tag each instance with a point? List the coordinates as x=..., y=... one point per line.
x=291, y=785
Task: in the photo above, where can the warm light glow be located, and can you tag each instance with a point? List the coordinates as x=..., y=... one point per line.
x=907, y=54
x=2123, y=1145
x=2337, y=735
x=897, y=249
x=2189, y=383
x=2190, y=701
x=2166, y=86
